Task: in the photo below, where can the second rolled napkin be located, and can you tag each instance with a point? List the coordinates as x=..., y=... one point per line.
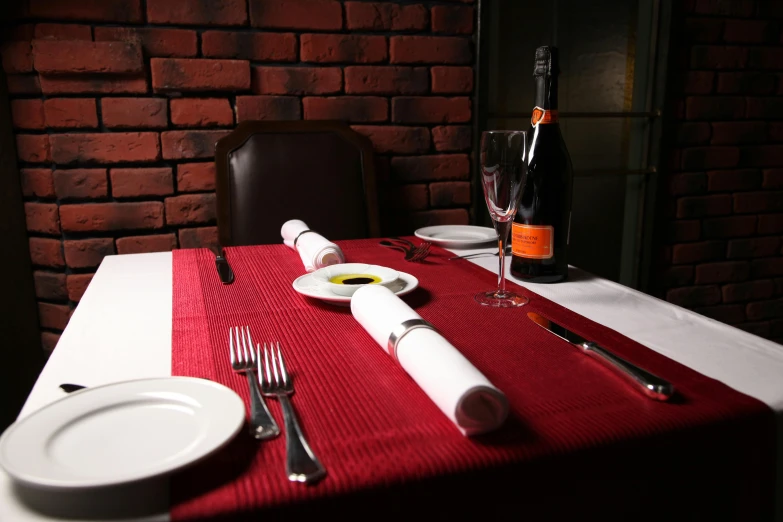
x=315, y=250
x=461, y=392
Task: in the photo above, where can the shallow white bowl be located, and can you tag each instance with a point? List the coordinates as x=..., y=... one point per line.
x=322, y=276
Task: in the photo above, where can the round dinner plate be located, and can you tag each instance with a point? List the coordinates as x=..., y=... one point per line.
x=457, y=236
x=308, y=286
x=121, y=432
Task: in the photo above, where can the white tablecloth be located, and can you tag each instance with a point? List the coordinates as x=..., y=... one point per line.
x=122, y=330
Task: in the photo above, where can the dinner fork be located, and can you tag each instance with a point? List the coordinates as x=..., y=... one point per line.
x=301, y=463
x=414, y=254
x=243, y=360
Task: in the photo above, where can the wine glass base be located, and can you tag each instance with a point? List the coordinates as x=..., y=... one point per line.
x=501, y=300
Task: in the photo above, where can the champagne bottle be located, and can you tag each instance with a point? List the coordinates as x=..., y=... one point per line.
x=540, y=233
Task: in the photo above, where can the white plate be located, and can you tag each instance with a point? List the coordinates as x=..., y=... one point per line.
x=457, y=236
x=308, y=286
x=121, y=432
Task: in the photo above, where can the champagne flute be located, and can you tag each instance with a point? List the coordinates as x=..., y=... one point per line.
x=503, y=175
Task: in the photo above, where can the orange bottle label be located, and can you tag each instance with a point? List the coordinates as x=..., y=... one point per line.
x=532, y=241
x=542, y=116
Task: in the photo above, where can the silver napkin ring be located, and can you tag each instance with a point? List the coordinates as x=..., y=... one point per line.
x=401, y=330
x=296, y=239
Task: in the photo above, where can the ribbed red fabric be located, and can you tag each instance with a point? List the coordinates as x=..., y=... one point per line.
x=579, y=442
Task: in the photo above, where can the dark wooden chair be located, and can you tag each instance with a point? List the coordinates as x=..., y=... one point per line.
x=321, y=172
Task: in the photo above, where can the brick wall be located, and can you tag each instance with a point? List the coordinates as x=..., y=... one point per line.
x=723, y=257
x=117, y=104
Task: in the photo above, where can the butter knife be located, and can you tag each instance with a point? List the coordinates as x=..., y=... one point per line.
x=650, y=385
x=223, y=268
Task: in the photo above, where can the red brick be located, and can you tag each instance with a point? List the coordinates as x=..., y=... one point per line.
x=762, y=156
x=87, y=253
x=385, y=16
x=190, y=144
x=451, y=137
x=688, y=253
x=75, y=113
x=190, y=209
x=76, y=56
x=129, y=113
x=776, y=131
x=697, y=158
x=77, y=284
x=18, y=31
x=767, y=108
x=449, y=193
x=755, y=247
x=699, y=82
x=718, y=57
x=727, y=133
x=33, y=148
x=703, y=30
x=131, y=183
x=397, y=140
x=687, y=183
x=297, y=80
x=46, y=252
x=428, y=218
x=201, y=112
x=187, y=12
x=302, y=14
x=452, y=79
x=144, y=244
x=731, y=314
x=750, y=31
x=386, y=80
x=125, y=84
x=93, y=10
x=683, y=231
x=405, y=197
x=337, y=48
x=675, y=276
x=53, y=315
x=769, y=267
x=430, y=49
x=431, y=168
x=28, y=114
x=722, y=7
x=452, y=19
x=182, y=74
x=111, y=147
x=703, y=206
x=63, y=32
x=194, y=177
x=49, y=341
x=765, y=309
x=347, y=108
x=204, y=237
x=714, y=107
x=268, y=108
x=770, y=224
x=731, y=180
x=734, y=226
x=261, y=47
x=23, y=84
x=750, y=291
x=37, y=182
x=155, y=42
x=765, y=58
x=50, y=285
x=728, y=272
x=111, y=216
x=42, y=217
x=694, y=296
x=17, y=57
x=80, y=183
x=755, y=202
x=746, y=82
x=691, y=133
x=409, y=109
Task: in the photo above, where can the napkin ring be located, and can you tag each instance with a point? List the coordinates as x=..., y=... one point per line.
x=401, y=330
x=296, y=239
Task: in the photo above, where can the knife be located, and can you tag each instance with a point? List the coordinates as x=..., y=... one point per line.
x=224, y=269
x=650, y=385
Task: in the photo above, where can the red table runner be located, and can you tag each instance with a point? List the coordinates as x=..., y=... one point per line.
x=579, y=441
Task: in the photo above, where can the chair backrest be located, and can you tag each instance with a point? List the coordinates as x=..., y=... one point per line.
x=321, y=172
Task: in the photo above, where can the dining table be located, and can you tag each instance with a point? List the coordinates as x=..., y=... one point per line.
x=122, y=329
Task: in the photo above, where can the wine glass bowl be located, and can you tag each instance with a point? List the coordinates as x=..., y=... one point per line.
x=503, y=175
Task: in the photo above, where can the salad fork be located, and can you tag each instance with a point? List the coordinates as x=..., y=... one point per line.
x=301, y=463
x=413, y=254
x=243, y=360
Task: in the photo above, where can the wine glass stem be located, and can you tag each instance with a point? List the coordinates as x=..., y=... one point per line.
x=504, y=227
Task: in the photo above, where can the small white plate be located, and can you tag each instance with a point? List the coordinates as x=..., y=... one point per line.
x=309, y=286
x=457, y=236
x=323, y=275
x=121, y=432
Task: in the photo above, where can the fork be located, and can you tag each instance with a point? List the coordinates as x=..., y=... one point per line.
x=414, y=254
x=301, y=463
x=243, y=360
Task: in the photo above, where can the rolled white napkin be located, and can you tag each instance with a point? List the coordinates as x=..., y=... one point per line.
x=315, y=250
x=462, y=392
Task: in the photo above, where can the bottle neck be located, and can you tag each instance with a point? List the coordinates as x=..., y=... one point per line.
x=545, y=110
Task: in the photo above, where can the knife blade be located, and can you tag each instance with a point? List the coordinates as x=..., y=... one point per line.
x=649, y=384
x=223, y=268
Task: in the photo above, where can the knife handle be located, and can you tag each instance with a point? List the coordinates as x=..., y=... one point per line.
x=651, y=385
